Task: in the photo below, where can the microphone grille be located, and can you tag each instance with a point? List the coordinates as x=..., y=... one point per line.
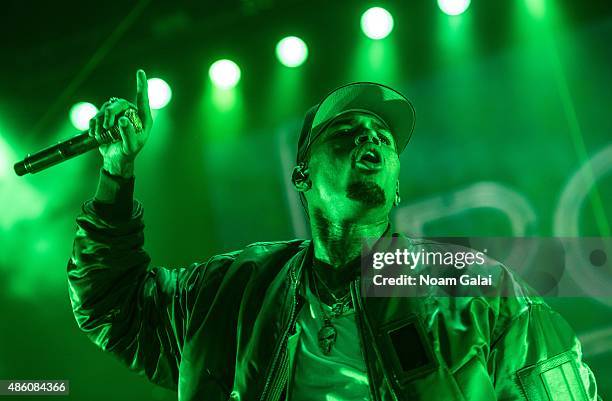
x=112, y=134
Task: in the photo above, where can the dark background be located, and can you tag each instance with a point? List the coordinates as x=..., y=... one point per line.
x=513, y=138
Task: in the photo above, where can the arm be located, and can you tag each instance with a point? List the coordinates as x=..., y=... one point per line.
x=538, y=358
x=136, y=312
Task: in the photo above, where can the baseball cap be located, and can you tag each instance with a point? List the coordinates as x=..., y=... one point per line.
x=393, y=108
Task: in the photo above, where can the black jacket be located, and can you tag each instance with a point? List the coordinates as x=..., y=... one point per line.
x=218, y=330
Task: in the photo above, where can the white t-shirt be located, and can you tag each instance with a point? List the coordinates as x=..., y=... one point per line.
x=339, y=376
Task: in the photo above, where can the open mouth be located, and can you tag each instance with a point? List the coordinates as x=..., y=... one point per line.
x=369, y=158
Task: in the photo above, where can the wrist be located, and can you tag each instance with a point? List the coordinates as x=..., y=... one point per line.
x=124, y=168
x=114, y=197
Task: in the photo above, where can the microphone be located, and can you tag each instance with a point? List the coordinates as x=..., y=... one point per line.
x=74, y=146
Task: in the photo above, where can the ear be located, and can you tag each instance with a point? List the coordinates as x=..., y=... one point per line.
x=300, y=178
x=397, y=199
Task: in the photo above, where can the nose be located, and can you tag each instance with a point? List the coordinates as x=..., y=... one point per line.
x=367, y=136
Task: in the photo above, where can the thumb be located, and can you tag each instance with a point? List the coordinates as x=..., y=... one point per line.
x=128, y=136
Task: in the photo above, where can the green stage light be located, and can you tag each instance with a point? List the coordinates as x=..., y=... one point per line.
x=376, y=23
x=453, y=7
x=536, y=8
x=292, y=51
x=159, y=93
x=224, y=74
x=81, y=113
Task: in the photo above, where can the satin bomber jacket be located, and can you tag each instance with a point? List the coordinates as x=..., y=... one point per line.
x=218, y=330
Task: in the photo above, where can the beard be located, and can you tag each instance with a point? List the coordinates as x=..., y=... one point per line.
x=368, y=193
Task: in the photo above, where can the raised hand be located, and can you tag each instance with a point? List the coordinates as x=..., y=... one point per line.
x=119, y=156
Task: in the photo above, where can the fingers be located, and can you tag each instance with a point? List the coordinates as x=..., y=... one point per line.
x=112, y=110
x=109, y=118
x=106, y=118
x=99, y=119
x=142, y=98
x=92, y=127
x=128, y=136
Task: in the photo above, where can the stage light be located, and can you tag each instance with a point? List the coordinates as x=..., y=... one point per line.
x=81, y=113
x=224, y=74
x=291, y=51
x=453, y=7
x=536, y=8
x=159, y=93
x=376, y=23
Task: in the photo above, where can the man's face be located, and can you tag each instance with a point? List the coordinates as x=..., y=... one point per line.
x=353, y=166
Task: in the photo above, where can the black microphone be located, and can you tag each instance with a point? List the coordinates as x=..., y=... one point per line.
x=74, y=146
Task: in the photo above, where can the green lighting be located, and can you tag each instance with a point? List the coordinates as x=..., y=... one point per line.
x=376, y=60
x=19, y=199
x=292, y=51
x=6, y=155
x=159, y=93
x=376, y=23
x=81, y=113
x=536, y=8
x=453, y=7
x=224, y=74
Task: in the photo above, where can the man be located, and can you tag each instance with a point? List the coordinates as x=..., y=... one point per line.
x=287, y=319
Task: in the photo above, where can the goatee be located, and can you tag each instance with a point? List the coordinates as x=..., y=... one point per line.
x=367, y=192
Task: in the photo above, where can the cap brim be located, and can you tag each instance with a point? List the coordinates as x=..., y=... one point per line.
x=390, y=105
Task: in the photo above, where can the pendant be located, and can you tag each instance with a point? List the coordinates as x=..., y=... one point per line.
x=327, y=337
x=340, y=308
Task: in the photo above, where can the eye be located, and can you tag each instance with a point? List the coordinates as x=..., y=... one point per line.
x=384, y=139
x=343, y=131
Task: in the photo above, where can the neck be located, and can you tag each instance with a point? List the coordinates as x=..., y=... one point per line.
x=338, y=241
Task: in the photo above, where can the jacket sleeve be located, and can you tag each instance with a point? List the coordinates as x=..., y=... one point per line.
x=126, y=307
x=537, y=357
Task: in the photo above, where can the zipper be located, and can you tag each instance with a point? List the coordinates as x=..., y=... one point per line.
x=358, y=320
x=361, y=315
x=277, y=380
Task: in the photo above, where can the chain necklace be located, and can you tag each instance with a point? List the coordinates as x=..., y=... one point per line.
x=339, y=303
x=328, y=334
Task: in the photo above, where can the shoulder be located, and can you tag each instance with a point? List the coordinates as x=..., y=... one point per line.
x=241, y=265
x=259, y=249
x=508, y=297
x=265, y=249
x=257, y=254
x=278, y=245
